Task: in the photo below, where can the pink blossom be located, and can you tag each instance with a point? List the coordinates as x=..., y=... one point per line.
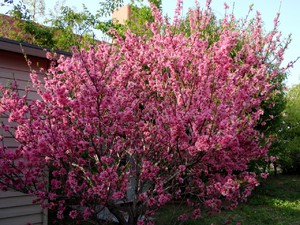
x=87, y=213
x=273, y=158
x=180, y=180
x=196, y=213
x=140, y=222
x=73, y=214
x=164, y=198
x=226, y=6
x=183, y=217
x=118, y=196
x=182, y=168
x=264, y=175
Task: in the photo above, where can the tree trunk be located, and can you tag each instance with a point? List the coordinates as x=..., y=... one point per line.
x=275, y=168
x=118, y=214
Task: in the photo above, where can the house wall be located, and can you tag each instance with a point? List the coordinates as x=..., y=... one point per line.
x=17, y=208
x=122, y=14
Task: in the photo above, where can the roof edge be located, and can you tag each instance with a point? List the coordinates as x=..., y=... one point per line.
x=29, y=49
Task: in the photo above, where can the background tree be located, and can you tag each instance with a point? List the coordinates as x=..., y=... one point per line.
x=73, y=28
x=61, y=32
x=35, y=7
x=287, y=144
x=141, y=15
x=24, y=28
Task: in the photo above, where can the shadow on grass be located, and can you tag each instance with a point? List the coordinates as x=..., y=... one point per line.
x=275, y=202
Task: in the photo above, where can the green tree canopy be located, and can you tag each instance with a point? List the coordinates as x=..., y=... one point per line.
x=288, y=142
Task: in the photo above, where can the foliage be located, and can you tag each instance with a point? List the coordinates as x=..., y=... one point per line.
x=20, y=11
x=140, y=15
x=8, y=1
x=108, y=7
x=23, y=28
x=73, y=28
x=271, y=124
x=38, y=34
x=288, y=142
x=128, y=127
x=35, y=7
x=69, y=29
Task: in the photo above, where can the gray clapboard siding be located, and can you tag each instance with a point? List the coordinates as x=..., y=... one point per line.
x=34, y=219
x=17, y=208
x=24, y=208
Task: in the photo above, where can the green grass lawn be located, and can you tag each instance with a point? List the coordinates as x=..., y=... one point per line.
x=275, y=202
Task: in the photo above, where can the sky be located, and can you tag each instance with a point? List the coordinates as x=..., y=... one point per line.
x=289, y=19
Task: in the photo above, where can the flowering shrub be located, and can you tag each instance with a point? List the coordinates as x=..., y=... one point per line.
x=145, y=121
